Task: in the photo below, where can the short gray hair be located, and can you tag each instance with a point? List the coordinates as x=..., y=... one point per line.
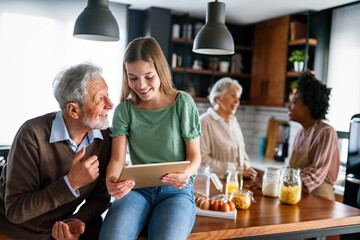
x=221, y=87
x=70, y=84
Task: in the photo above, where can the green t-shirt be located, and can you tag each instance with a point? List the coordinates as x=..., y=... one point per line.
x=157, y=136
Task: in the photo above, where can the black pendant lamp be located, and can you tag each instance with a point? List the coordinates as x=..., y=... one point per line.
x=214, y=38
x=96, y=22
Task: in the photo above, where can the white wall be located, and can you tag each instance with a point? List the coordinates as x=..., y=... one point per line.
x=344, y=66
x=35, y=43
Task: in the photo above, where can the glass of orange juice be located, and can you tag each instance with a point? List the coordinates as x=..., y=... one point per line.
x=232, y=182
x=231, y=186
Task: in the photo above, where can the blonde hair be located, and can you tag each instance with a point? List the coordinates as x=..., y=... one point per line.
x=148, y=50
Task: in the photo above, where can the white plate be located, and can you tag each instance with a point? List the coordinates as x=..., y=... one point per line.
x=218, y=214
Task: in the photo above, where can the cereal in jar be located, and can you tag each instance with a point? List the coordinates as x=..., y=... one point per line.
x=242, y=198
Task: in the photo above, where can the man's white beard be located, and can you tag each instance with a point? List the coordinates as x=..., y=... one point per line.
x=98, y=124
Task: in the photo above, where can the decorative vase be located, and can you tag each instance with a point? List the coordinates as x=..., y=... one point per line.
x=224, y=66
x=298, y=66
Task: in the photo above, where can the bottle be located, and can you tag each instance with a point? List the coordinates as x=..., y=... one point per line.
x=290, y=186
x=270, y=183
x=262, y=147
x=176, y=30
x=241, y=177
x=174, y=60
x=232, y=182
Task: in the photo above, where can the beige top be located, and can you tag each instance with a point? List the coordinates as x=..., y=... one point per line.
x=221, y=143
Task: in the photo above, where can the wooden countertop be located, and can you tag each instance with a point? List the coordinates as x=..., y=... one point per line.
x=311, y=217
x=270, y=219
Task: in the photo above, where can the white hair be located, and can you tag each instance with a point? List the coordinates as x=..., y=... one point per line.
x=221, y=87
x=70, y=84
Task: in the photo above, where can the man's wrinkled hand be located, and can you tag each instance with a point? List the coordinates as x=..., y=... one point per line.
x=70, y=230
x=85, y=172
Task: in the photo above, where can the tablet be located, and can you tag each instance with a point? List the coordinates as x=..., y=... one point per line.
x=149, y=175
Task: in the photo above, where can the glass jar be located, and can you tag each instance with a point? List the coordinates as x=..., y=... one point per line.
x=242, y=198
x=290, y=186
x=270, y=182
x=202, y=181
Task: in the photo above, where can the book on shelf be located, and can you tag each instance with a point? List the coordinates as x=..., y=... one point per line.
x=297, y=30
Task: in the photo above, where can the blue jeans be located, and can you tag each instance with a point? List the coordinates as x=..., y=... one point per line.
x=169, y=212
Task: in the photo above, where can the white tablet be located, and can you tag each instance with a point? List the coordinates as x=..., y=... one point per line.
x=149, y=175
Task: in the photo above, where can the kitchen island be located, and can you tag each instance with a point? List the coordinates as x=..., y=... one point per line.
x=267, y=218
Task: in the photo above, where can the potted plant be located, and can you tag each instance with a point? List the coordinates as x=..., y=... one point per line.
x=297, y=58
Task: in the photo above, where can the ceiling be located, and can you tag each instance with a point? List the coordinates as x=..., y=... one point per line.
x=239, y=11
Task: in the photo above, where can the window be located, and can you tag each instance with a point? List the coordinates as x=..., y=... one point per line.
x=344, y=71
x=36, y=42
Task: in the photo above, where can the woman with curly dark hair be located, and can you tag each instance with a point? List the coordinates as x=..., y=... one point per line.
x=315, y=148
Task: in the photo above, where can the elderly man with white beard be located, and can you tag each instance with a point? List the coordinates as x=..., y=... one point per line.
x=58, y=160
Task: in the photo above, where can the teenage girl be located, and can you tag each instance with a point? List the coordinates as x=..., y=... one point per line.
x=160, y=124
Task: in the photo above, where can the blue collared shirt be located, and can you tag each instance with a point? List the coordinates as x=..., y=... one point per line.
x=59, y=133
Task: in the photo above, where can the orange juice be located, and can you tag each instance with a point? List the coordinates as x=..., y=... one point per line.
x=231, y=185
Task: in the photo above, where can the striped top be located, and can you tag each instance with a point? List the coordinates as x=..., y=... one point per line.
x=323, y=155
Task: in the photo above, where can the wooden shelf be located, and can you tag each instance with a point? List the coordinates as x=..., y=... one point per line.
x=301, y=41
x=210, y=72
x=199, y=71
x=243, y=48
x=242, y=75
x=201, y=99
x=296, y=74
x=178, y=69
x=293, y=74
x=191, y=41
x=182, y=40
x=205, y=99
x=191, y=70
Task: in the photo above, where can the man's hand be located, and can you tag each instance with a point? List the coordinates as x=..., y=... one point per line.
x=83, y=173
x=70, y=230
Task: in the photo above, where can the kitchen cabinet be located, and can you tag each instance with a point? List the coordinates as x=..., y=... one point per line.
x=196, y=73
x=269, y=62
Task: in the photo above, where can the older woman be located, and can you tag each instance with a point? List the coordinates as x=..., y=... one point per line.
x=222, y=144
x=315, y=148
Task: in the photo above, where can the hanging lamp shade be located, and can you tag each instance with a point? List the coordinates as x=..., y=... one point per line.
x=214, y=38
x=96, y=22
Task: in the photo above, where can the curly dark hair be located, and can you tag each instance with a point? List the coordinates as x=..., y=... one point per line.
x=315, y=94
